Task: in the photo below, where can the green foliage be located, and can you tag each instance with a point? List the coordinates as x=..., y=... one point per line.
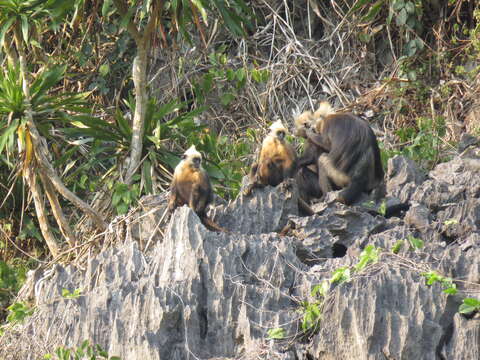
x=311, y=315
x=29, y=14
x=469, y=305
x=415, y=243
x=423, y=143
x=84, y=351
x=71, y=295
x=11, y=279
x=321, y=289
x=124, y=196
x=223, y=79
x=341, y=275
x=433, y=277
x=398, y=246
x=368, y=256
x=276, y=333
x=18, y=312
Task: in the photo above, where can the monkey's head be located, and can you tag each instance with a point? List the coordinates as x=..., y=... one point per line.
x=324, y=109
x=278, y=130
x=303, y=122
x=192, y=157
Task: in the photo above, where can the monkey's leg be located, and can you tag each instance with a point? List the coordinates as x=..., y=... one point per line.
x=359, y=182
x=323, y=180
x=253, y=180
x=172, y=200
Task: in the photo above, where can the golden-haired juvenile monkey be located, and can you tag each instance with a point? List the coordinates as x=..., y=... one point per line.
x=191, y=186
x=277, y=161
x=346, y=150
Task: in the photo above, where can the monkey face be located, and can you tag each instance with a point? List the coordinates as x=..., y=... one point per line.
x=192, y=157
x=302, y=123
x=278, y=130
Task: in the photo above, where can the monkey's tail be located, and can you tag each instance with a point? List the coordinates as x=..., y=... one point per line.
x=212, y=225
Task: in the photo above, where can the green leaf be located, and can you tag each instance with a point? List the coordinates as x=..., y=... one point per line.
x=398, y=245
x=410, y=7
x=227, y=98
x=469, y=305
x=374, y=10
x=25, y=28
x=3, y=30
x=401, y=19
x=369, y=255
x=358, y=4
x=321, y=289
x=277, y=333
x=107, y=4
x=9, y=131
x=398, y=4
x=415, y=243
x=104, y=69
x=340, y=275
x=147, y=176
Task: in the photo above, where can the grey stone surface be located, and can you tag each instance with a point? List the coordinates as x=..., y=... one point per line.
x=196, y=294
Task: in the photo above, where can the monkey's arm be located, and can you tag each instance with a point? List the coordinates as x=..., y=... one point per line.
x=253, y=180
x=309, y=156
x=198, y=200
x=172, y=200
x=319, y=139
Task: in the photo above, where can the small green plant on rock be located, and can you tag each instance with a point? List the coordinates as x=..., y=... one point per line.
x=469, y=305
x=84, y=351
x=433, y=277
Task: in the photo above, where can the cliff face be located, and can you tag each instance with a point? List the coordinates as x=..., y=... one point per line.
x=195, y=294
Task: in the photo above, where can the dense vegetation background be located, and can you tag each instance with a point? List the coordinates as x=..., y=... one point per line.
x=98, y=98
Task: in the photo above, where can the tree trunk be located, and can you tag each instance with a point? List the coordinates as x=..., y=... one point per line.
x=40, y=210
x=65, y=228
x=139, y=74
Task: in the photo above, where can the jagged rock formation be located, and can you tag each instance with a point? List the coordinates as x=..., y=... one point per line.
x=195, y=294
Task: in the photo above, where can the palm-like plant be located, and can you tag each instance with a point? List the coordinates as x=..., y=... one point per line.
x=24, y=110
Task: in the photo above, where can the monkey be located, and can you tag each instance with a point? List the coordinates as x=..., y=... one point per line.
x=191, y=185
x=347, y=152
x=312, y=183
x=277, y=161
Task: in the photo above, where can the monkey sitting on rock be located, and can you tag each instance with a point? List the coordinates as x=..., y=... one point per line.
x=191, y=186
x=277, y=162
x=345, y=150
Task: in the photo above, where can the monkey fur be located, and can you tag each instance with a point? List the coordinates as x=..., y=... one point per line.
x=277, y=161
x=191, y=186
x=346, y=149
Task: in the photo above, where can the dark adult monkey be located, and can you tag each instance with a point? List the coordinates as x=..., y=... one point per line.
x=277, y=162
x=191, y=186
x=311, y=182
x=348, y=153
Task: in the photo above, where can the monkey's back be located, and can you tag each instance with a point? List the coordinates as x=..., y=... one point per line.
x=277, y=161
x=350, y=138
